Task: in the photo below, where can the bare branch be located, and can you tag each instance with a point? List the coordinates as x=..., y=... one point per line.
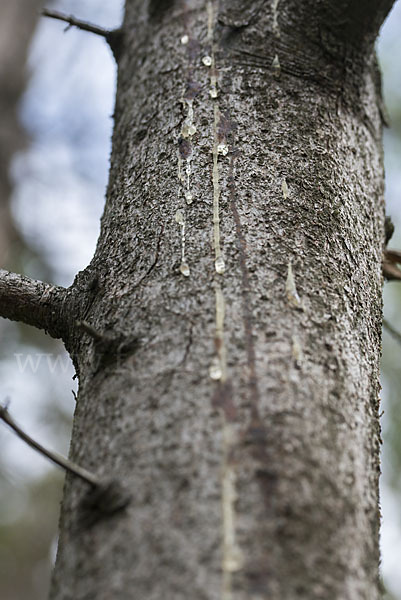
x=393, y=255
x=390, y=265
x=105, y=497
x=118, y=343
x=393, y=332
x=33, y=302
x=73, y=22
x=56, y=458
x=112, y=36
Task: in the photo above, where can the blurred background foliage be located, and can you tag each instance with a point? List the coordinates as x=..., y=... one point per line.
x=56, y=101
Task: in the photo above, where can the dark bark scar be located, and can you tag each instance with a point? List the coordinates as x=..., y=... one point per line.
x=245, y=287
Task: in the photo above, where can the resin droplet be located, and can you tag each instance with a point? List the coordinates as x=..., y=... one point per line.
x=188, y=127
x=189, y=197
x=234, y=561
x=215, y=371
x=291, y=290
x=179, y=217
x=220, y=265
x=207, y=61
x=184, y=268
x=284, y=187
x=276, y=66
x=184, y=39
x=222, y=149
x=213, y=93
x=188, y=130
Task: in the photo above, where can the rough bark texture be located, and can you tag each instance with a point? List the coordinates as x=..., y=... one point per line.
x=245, y=422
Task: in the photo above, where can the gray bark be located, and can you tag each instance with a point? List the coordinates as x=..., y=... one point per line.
x=239, y=405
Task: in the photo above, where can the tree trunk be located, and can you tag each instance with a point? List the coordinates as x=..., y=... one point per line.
x=229, y=376
x=17, y=23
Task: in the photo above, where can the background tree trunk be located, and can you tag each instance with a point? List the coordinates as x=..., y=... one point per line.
x=237, y=286
x=17, y=23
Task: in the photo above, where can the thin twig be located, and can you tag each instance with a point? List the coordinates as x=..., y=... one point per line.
x=390, y=329
x=114, y=37
x=56, y=458
x=120, y=344
x=73, y=22
x=90, y=330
